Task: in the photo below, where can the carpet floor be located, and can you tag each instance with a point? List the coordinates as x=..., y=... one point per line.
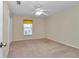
x=41, y=48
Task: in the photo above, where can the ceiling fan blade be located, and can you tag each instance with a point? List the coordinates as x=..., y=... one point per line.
x=45, y=13
x=34, y=11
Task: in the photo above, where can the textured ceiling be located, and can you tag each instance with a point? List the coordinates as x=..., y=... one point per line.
x=27, y=7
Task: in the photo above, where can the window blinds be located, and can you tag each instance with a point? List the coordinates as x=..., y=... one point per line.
x=27, y=22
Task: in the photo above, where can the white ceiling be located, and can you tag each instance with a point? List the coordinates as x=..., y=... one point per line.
x=27, y=7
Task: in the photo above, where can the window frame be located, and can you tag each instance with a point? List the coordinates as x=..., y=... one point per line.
x=24, y=28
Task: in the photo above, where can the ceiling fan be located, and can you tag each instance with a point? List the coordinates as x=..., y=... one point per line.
x=39, y=11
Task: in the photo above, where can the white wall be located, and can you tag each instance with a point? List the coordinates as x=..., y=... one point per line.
x=11, y=29
x=38, y=28
x=64, y=27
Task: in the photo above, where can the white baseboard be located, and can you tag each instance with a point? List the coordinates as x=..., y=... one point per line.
x=64, y=43
x=28, y=39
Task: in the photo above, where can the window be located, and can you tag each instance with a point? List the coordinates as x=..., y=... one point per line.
x=27, y=24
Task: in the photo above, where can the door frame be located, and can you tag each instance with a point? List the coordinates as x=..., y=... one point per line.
x=1, y=28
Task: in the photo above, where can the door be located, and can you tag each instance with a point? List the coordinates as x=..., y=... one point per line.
x=1, y=28
x=4, y=29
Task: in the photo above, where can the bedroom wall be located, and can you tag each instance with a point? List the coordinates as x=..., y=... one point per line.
x=64, y=27
x=38, y=28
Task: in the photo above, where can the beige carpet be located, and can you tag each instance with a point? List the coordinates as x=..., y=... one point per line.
x=41, y=48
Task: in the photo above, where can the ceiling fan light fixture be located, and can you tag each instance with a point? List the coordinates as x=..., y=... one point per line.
x=38, y=13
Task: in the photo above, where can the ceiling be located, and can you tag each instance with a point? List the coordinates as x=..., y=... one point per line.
x=27, y=7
